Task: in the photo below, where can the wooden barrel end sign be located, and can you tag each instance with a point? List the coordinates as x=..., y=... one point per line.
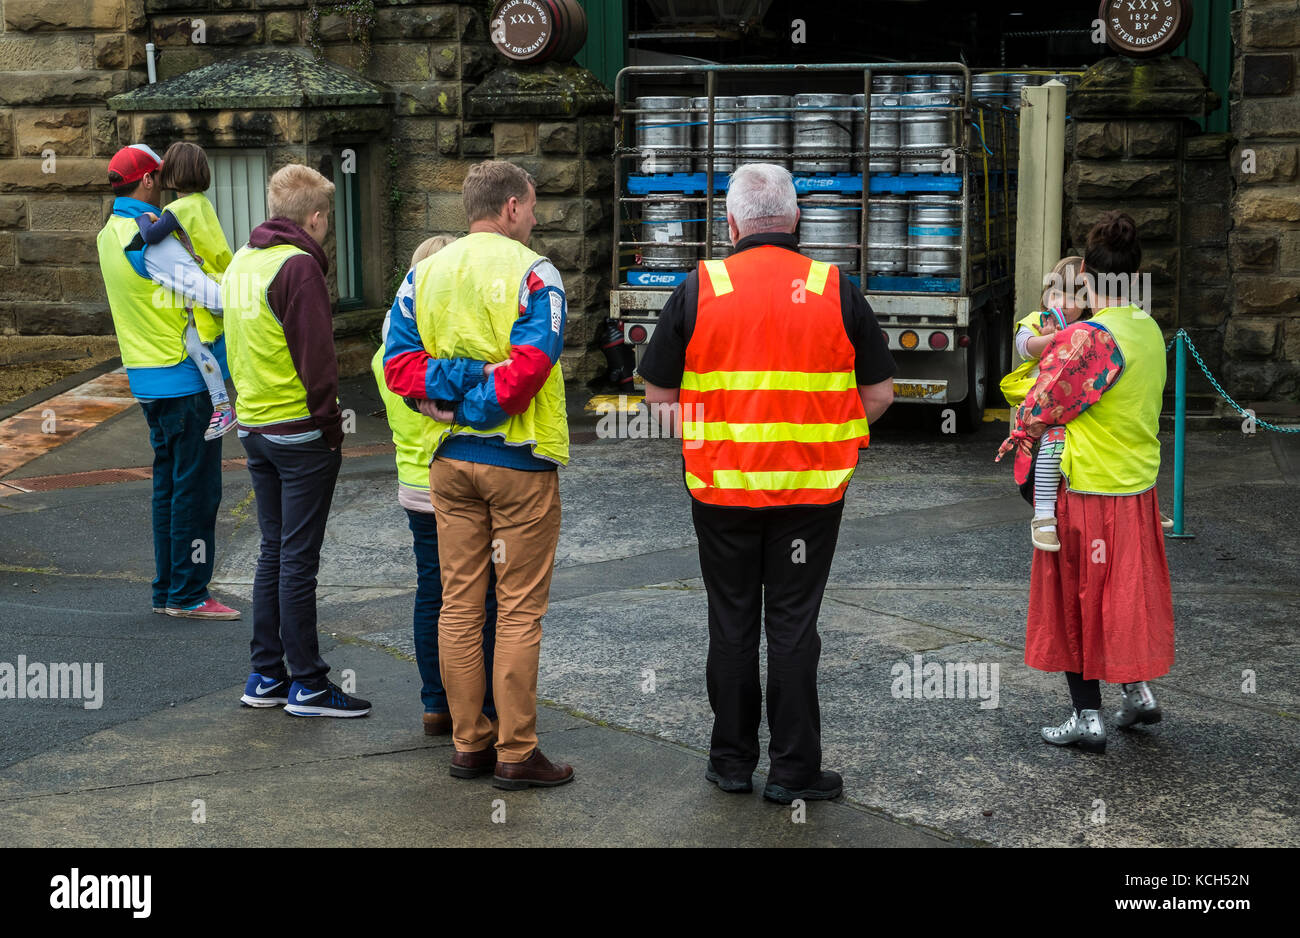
x=537, y=31
x=1145, y=27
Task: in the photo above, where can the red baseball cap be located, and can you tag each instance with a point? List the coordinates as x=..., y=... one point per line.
x=133, y=162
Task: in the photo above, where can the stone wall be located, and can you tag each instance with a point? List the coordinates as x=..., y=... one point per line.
x=61, y=60
x=1136, y=148
x=67, y=57
x=1262, y=337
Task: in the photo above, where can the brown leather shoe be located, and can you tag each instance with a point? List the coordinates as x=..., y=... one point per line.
x=535, y=770
x=437, y=724
x=473, y=764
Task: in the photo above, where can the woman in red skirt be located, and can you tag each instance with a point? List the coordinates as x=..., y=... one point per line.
x=1101, y=609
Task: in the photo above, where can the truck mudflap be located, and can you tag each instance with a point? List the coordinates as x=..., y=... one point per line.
x=921, y=390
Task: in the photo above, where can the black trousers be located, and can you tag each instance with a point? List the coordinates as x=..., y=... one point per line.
x=294, y=485
x=774, y=561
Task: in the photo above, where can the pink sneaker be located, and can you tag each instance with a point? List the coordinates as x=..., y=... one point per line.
x=223, y=419
x=208, y=609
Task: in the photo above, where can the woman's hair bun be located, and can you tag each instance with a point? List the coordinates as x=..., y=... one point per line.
x=1116, y=230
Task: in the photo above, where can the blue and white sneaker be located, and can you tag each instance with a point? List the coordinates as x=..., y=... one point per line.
x=330, y=701
x=262, y=691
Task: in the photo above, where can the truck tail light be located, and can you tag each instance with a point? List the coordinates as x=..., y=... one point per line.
x=938, y=341
x=637, y=334
x=909, y=339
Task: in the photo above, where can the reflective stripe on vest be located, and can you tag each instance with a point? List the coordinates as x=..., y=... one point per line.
x=414, y=435
x=199, y=219
x=1113, y=447
x=467, y=299
x=150, y=330
x=261, y=365
x=771, y=414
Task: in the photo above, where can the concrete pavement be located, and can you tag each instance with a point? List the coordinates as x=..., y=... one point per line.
x=933, y=561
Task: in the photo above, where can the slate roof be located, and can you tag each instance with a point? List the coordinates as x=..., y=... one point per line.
x=266, y=78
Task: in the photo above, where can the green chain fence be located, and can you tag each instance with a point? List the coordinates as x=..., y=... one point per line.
x=1184, y=343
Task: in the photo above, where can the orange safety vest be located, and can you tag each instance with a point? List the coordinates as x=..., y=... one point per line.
x=770, y=409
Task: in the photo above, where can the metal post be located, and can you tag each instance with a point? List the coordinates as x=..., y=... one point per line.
x=1180, y=431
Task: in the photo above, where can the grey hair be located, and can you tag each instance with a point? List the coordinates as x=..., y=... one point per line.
x=761, y=197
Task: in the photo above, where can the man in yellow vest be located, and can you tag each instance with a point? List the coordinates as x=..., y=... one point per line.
x=150, y=325
x=474, y=339
x=778, y=366
x=279, y=330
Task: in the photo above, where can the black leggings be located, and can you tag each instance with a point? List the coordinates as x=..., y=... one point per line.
x=1086, y=695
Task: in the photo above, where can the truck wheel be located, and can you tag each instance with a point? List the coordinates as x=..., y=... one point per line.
x=971, y=413
x=999, y=355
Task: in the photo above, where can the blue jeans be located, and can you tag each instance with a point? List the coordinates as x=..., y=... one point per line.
x=186, y=495
x=428, y=607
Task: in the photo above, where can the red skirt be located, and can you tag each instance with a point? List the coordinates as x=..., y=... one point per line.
x=1102, y=605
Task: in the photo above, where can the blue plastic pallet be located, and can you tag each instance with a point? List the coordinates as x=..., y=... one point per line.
x=881, y=183
x=671, y=278
x=914, y=284
x=674, y=182
x=656, y=278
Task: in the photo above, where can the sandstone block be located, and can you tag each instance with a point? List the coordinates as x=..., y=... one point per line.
x=67, y=214
x=13, y=212
x=1264, y=163
x=1098, y=140
x=58, y=248
x=30, y=15
x=1253, y=249
x=513, y=139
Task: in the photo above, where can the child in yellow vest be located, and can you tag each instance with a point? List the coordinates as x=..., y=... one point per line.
x=415, y=437
x=1063, y=303
x=184, y=249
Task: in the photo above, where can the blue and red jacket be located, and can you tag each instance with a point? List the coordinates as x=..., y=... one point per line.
x=535, y=347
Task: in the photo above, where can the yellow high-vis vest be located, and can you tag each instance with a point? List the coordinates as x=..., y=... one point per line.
x=199, y=219
x=414, y=435
x=261, y=366
x=150, y=327
x=466, y=302
x=1113, y=448
x=1017, y=384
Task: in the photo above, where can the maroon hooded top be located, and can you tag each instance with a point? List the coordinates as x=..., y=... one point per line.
x=300, y=299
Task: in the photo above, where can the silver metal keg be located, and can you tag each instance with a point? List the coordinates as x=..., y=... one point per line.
x=888, y=83
x=764, y=126
x=722, y=246
x=918, y=82
x=989, y=89
x=887, y=225
x=928, y=122
x=724, y=133
x=955, y=83
x=934, y=222
x=1015, y=83
x=822, y=122
x=665, y=127
x=885, y=116
x=831, y=224
x=666, y=224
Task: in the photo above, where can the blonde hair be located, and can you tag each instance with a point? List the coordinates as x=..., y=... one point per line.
x=1065, y=281
x=296, y=192
x=490, y=184
x=430, y=246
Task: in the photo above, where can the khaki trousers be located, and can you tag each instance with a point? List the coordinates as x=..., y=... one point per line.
x=510, y=518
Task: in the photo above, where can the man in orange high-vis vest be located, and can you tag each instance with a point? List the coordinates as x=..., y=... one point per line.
x=779, y=367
